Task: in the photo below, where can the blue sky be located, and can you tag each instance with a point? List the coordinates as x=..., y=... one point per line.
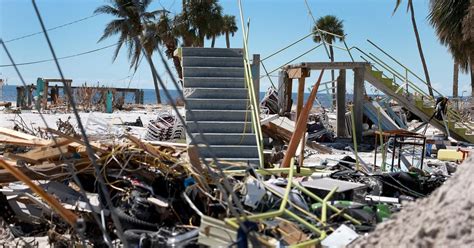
x=273, y=24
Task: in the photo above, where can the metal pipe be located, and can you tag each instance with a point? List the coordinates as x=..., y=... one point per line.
x=317, y=198
x=325, y=205
x=292, y=44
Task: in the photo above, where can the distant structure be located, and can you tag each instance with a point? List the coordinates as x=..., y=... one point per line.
x=1, y=88
x=43, y=93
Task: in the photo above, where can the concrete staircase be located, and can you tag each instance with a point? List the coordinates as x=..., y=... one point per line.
x=422, y=107
x=218, y=104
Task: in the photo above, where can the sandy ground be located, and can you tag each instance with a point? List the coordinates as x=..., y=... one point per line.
x=92, y=121
x=444, y=219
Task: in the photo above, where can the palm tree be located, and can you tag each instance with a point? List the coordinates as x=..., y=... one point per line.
x=183, y=29
x=215, y=25
x=163, y=33
x=455, y=79
x=468, y=38
x=229, y=27
x=418, y=42
x=332, y=25
x=200, y=17
x=453, y=22
x=132, y=17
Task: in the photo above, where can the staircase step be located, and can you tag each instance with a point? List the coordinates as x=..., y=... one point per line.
x=216, y=93
x=229, y=151
x=377, y=74
x=213, y=72
x=214, y=82
x=225, y=138
x=218, y=115
x=389, y=82
x=460, y=130
x=211, y=52
x=217, y=104
x=219, y=127
x=451, y=124
x=213, y=61
x=418, y=106
x=419, y=103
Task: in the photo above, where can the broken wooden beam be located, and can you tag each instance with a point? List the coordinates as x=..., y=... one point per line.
x=300, y=128
x=17, y=134
x=66, y=214
x=23, y=142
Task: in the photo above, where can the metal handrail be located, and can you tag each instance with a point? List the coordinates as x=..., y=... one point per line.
x=251, y=89
x=410, y=83
x=375, y=60
x=398, y=75
x=404, y=67
x=452, y=112
x=299, y=56
x=286, y=47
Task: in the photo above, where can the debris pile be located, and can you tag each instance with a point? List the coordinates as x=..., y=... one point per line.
x=445, y=218
x=137, y=183
x=160, y=197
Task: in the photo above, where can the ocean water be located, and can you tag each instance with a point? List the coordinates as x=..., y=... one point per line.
x=8, y=93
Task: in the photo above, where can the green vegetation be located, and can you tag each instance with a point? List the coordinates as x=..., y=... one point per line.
x=331, y=24
x=418, y=41
x=454, y=25
x=136, y=26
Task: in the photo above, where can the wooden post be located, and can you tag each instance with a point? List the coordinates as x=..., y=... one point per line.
x=300, y=74
x=256, y=75
x=45, y=94
x=288, y=95
x=299, y=106
x=19, y=96
x=299, y=130
x=299, y=103
x=29, y=94
x=137, y=96
x=341, y=104
x=67, y=84
x=358, y=101
x=284, y=85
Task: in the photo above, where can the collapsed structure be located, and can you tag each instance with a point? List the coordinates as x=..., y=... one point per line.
x=249, y=172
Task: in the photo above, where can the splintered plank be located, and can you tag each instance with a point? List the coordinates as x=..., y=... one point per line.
x=48, y=170
x=74, y=139
x=41, y=154
x=24, y=142
x=16, y=134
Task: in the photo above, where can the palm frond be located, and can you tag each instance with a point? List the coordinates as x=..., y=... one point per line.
x=121, y=40
x=447, y=19
x=331, y=24
x=107, y=9
x=112, y=28
x=397, y=4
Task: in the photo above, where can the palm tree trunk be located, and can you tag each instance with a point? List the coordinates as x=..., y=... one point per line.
x=155, y=82
x=420, y=49
x=472, y=72
x=213, y=41
x=333, y=84
x=177, y=65
x=227, y=40
x=455, y=79
x=201, y=39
